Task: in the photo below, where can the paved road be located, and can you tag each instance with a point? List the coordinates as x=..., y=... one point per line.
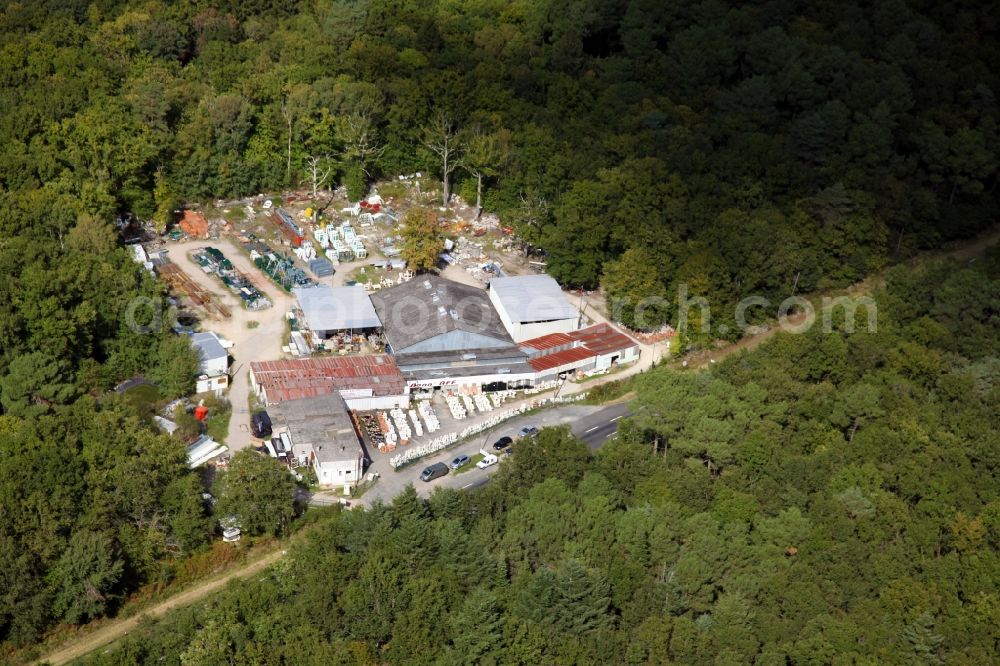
x=594, y=425
x=597, y=428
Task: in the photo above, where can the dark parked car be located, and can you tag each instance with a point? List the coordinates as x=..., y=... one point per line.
x=433, y=472
x=260, y=425
x=460, y=461
x=502, y=443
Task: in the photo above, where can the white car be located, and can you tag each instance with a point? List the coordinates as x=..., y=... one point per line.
x=487, y=461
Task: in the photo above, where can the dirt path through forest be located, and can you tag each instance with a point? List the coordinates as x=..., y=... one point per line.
x=117, y=629
x=965, y=251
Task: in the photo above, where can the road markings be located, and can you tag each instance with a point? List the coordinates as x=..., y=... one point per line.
x=616, y=418
x=591, y=430
x=468, y=485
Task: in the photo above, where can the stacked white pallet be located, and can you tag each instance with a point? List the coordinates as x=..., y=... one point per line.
x=416, y=422
x=391, y=437
x=456, y=408
x=500, y=397
x=483, y=403
x=469, y=405
x=429, y=417
x=399, y=419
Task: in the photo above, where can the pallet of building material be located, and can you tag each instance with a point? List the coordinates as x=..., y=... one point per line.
x=321, y=268
x=429, y=417
x=456, y=408
x=182, y=285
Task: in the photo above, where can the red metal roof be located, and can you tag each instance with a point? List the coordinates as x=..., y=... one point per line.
x=603, y=339
x=560, y=358
x=311, y=377
x=547, y=341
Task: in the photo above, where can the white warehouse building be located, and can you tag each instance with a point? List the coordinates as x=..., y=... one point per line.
x=531, y=306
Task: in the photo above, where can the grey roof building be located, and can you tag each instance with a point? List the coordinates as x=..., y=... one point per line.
x=327, y=309
x=432, y=314
x=530, y=298
x=321, y=430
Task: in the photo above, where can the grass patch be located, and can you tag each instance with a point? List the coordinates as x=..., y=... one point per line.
x=252, y=324
x=613, y=390
x=366, y=274
x=393, y=190
x=469, y=465
x=359, y=490
x=219, y=413
x=143, y=398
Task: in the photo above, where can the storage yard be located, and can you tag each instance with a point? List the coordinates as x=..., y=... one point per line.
x=183, y=287
x=214, y=262
x=419, y=362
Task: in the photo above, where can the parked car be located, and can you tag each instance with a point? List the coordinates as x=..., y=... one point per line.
x=460, y=461
x=502, y=443
x=487, y=461
x=260, y=425
x=435, y=471
x=527, y=431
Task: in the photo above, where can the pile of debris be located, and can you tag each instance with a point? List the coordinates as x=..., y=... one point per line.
x=666, y=332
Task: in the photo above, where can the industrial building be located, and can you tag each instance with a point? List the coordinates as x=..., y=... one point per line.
x=531, y=306
x=433, y=314
x=214, y=362
x=327, y=311
x=442, y=333
x=596, y=348
x=365, y=382
x=322, y=434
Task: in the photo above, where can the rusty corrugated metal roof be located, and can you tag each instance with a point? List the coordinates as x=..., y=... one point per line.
x=549, y=361
x=547, y=341
x=602, y=339
x=312, y=377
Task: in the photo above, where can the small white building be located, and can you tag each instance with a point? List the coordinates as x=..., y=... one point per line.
x=322, y=432
x=531, y=306
x=214, y=360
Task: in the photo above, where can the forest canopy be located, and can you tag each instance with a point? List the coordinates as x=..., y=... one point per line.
x=757, y=148
x=826, y=498
x=761, y=148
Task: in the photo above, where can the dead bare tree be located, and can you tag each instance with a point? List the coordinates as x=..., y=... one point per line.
x=288, y=115
x=441, y=138
x=318, y=175
x=361, y=144
x=485, y=156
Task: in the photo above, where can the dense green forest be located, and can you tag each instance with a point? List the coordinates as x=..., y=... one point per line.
x=765, y=148
x=826, y=499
